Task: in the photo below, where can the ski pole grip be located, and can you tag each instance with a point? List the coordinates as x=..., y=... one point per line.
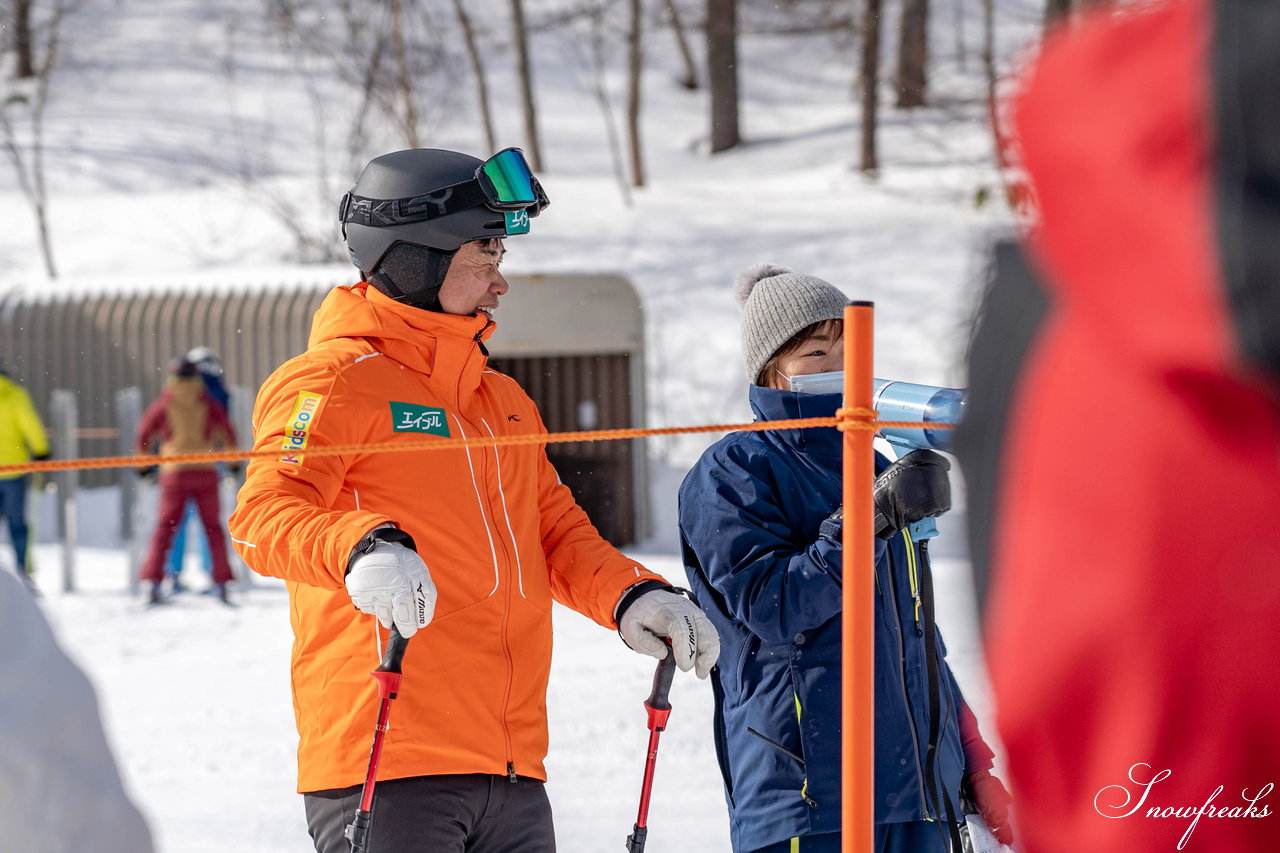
x=659, y=698
x=394, y=655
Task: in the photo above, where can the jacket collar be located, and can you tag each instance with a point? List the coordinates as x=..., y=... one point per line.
x=446, y=347
x=771, y=404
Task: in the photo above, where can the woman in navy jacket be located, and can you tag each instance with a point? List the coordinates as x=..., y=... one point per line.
x=760, y=527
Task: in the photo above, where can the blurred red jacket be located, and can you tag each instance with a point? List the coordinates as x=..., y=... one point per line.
x=1135, y=576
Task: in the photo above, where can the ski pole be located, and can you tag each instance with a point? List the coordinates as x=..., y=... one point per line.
x=388, y=677
x=659, y=709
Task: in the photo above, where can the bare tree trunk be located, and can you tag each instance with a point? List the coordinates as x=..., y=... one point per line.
x=40, y=198
x=599, y=54
x=22, y=40
x=690, y=78
x=635, y=64
x=28, y=160
x=722, y=73
x=868, y=80
x=404, y=80
x=913, y=54
x=477, y=68
x=1014, y=194
x=42, y=225
x=525, y=72
x=989, y=49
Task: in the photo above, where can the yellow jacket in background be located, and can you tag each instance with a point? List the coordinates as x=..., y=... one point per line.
x=22, y=435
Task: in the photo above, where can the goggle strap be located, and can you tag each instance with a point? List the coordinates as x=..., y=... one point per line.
x=379, y=213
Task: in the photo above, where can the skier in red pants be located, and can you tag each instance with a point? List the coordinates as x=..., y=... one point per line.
x=183, y=419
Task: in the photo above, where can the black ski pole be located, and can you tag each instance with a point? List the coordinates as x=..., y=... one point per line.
x=659, y=709
x=388, y=677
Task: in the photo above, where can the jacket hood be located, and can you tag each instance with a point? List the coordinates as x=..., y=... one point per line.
x=1113, y=126
x=772, y=404
x=407, y=334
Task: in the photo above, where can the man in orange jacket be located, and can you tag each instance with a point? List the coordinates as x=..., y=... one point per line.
x=477, y=541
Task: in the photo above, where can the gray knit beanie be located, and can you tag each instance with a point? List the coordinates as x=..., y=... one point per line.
x=776, y=304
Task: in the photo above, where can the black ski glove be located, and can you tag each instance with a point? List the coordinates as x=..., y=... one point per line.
x=832, y=526
x=914, y=487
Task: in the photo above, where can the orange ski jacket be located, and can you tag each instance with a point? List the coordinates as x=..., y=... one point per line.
x=501, y=536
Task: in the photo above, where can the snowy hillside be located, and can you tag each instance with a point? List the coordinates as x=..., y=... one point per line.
x=178, y=128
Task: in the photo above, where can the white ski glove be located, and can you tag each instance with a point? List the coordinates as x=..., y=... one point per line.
x=660, y=614
x=391, y=582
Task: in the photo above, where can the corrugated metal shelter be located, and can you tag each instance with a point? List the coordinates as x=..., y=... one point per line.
x=574, y=341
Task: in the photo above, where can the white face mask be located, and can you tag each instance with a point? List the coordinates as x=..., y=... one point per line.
x=818, y=383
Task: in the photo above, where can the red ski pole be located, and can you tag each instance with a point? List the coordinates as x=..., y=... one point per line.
x=659, y=709
x=388, y=677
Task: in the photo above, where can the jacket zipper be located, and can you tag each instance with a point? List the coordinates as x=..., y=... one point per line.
x=491, y=525
x=913, y=573
x=933, y=665
x=506, y=653
x=902, y=682
x=487, y=514
x=804, y=787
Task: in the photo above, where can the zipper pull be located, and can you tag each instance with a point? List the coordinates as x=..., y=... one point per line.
x=804, y=792
x=480, y=335
x=511, y=771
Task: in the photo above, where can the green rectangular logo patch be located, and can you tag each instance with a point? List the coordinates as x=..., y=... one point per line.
x=410, y=417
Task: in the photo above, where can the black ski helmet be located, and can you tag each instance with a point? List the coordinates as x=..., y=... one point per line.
x=183, y=367
x=409, y=212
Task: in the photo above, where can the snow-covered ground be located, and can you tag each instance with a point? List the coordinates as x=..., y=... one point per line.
x=163, y=105
x=195, y=701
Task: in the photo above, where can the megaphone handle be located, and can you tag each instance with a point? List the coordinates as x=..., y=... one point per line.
x=925, y=528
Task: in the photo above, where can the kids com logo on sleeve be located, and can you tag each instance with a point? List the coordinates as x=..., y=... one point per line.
x=297, y=430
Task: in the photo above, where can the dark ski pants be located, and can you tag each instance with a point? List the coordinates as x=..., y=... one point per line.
x=13, y=506
x=176, y=487
x=917, y=836
x=469, y=813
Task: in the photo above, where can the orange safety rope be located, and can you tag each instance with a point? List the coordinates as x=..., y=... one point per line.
x=845, y=419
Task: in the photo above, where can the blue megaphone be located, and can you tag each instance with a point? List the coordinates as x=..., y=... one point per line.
x=901, y=401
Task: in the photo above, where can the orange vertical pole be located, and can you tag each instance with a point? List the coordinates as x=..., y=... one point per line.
x=857, y=745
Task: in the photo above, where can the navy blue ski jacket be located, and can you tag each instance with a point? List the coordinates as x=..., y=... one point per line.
x=750, y=513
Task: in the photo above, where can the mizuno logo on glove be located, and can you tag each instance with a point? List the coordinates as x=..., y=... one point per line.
x=691, y=636
x=660, y=614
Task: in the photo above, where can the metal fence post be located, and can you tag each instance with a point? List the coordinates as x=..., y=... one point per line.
x=240, y=406
x=128, y=414
x=62, y=407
